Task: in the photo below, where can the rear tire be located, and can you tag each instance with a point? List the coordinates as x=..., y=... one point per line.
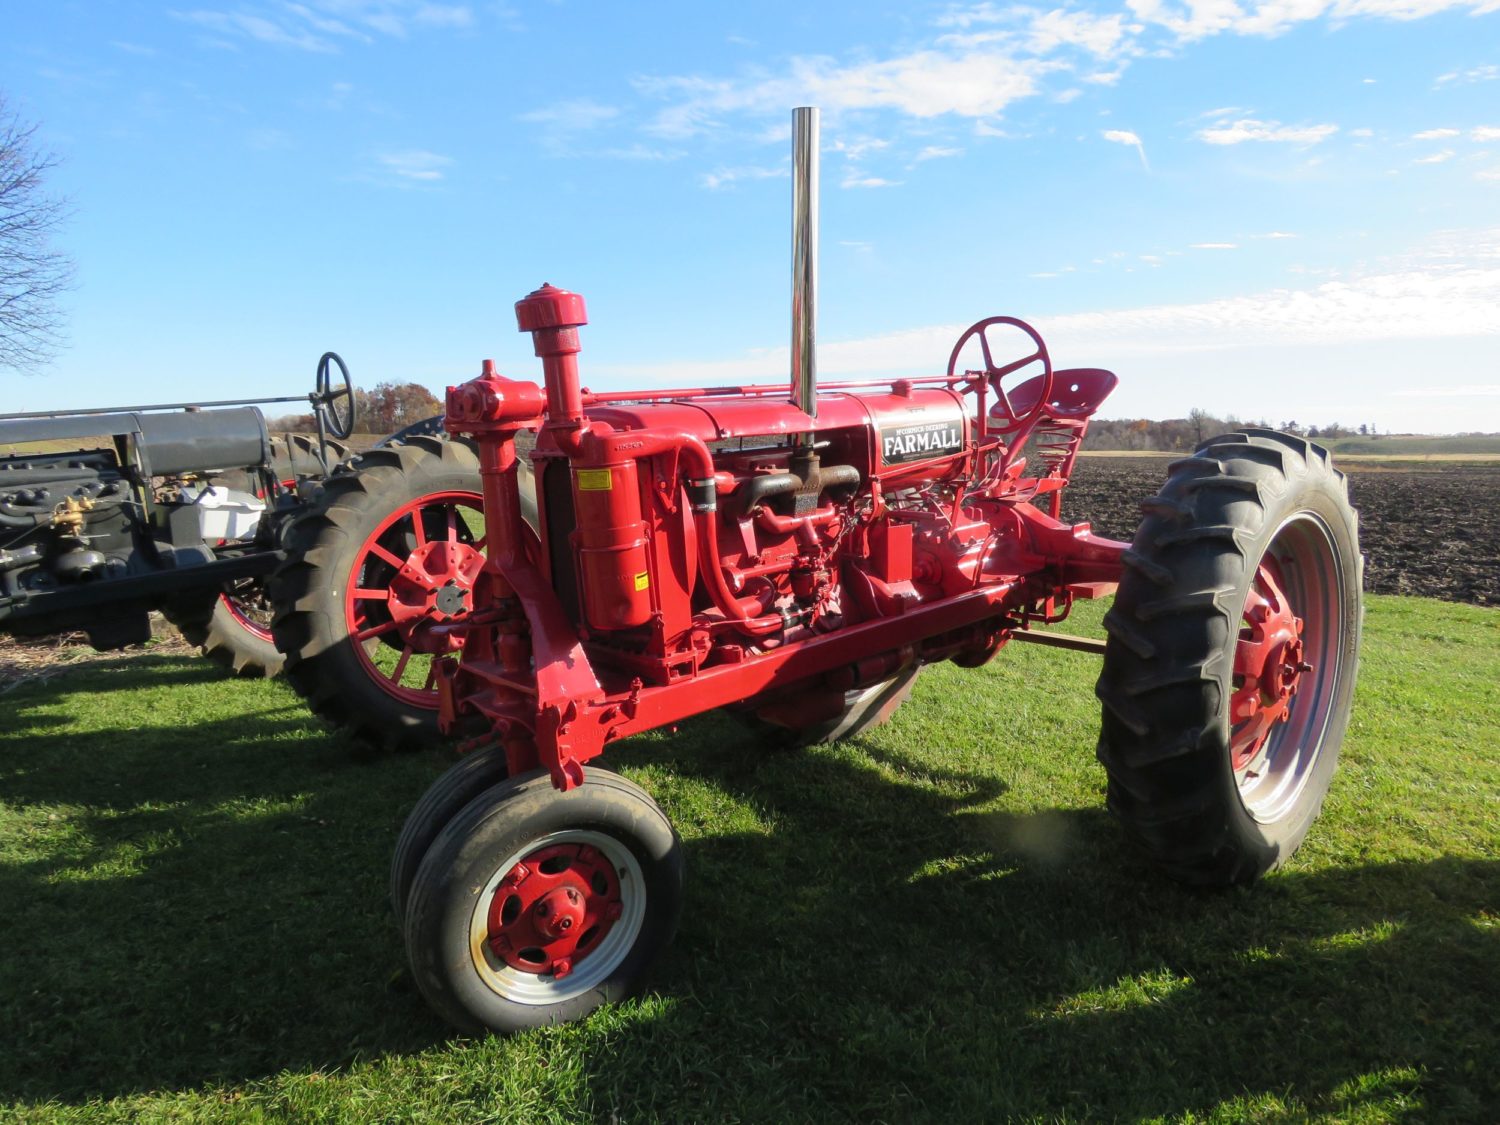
x=390, y=549
x=234, y=630
x=484, y=932
x=1231, y=657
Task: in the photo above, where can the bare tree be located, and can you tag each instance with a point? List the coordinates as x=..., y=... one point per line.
x=32, y=274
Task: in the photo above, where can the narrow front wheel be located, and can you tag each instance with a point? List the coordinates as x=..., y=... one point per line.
x=534, y=907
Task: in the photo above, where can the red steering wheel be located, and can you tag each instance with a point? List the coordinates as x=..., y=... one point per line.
x=997, y=372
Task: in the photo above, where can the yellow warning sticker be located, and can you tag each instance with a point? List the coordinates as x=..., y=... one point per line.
x=594, y=480
x=642, y=581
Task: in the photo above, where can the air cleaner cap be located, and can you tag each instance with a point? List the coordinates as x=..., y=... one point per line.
x=550, y=307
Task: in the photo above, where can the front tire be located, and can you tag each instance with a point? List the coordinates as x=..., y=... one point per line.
x=1231, y=657
x=445, y=798
x=534, y=907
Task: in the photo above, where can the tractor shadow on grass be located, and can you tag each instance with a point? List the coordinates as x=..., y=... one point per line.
x=898, y=949
x=875, y=937
x=193, y=900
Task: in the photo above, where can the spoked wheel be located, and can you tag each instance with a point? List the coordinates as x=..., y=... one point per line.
x=1231, y=657
x=389, y=554
x=534, y=907
x=414, y=571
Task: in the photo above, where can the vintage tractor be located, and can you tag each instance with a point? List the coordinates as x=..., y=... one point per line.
x=799, y=556
x=107, y=515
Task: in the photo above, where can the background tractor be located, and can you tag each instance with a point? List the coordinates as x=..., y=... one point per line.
x=106, y=515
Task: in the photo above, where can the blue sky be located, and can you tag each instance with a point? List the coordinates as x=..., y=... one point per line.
x=1286, y=209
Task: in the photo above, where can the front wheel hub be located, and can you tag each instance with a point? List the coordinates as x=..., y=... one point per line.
x=554, y=908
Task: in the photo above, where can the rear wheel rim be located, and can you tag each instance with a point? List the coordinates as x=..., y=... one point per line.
x=251, y=610
x=540, y=964
x=1288, y=667
x=415, y=571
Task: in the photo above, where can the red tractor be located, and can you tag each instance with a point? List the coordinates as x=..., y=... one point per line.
x=799, y=556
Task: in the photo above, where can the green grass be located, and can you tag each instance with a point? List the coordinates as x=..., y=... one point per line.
x=935, y=922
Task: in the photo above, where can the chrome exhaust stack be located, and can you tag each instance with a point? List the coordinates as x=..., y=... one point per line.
x=805, y=263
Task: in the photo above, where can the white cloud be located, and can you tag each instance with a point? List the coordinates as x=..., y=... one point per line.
x=1276, y=234
x=1215, y=246
x=725, y=176
x=1434, y=134
x=1101, y=36
x=322, y=25
x=1462, y=390
x=574, y=115
x=415, y=164
x=1126, y=137
x=858, y=181
x=1361, y=132
x=1436, y=158
x=1200, y=19
x=924, y=84
x=936, y=152
x=1478, y=74
x=1485, y=133
x=640, y=152
x=854, y=150
x=1427, y=298
x=1249, y=129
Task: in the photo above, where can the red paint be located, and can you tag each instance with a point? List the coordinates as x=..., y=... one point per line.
x=690, y=558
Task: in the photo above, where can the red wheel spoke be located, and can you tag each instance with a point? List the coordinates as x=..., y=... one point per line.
x=375, y=631
x=400, y=668
x=425, y=559
x=381, y=553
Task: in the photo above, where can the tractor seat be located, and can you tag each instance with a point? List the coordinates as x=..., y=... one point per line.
x=1076, y=393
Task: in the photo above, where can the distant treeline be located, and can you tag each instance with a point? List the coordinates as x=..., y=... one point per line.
x=1173, y=434
x=384, y=409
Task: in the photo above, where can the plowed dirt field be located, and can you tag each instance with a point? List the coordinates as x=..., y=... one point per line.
x=1430, y=529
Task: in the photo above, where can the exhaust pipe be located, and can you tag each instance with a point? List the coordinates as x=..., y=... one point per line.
x=805, y=264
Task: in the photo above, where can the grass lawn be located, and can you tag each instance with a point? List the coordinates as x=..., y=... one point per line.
x=934, y=922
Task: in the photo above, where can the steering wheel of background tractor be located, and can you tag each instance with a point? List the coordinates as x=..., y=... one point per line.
x=1004, y=411
x=339, y=425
